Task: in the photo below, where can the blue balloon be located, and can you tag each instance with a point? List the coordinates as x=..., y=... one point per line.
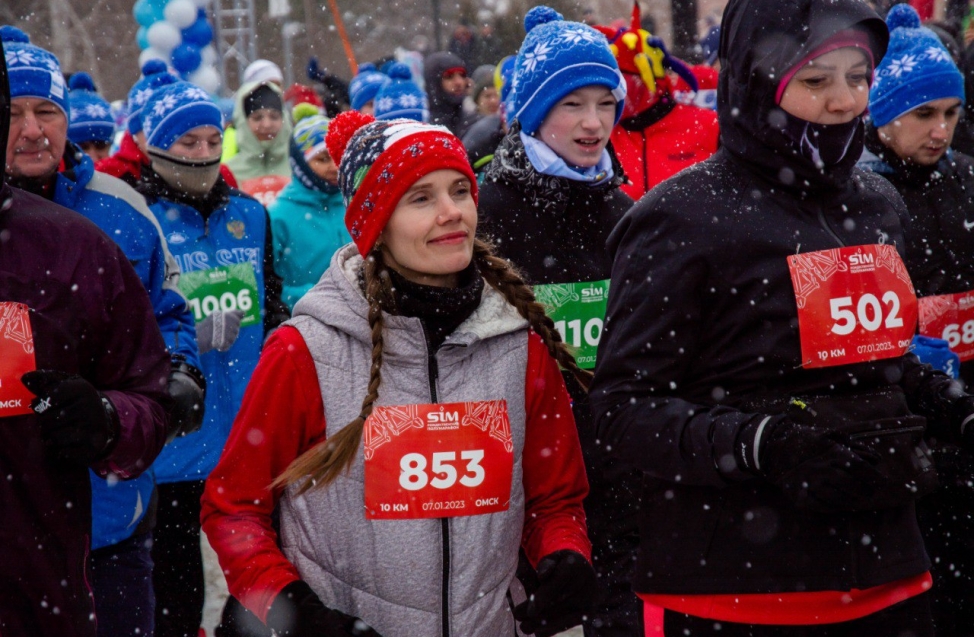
x=160, y=4
x=146, y=13
x=186, y=58
x=142, y=38
x=199, y=34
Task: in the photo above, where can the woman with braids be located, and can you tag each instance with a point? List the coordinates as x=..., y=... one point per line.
x=403, y=514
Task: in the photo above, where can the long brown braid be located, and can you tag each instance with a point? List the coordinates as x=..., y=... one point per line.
x=321, y=465
x=502, y=276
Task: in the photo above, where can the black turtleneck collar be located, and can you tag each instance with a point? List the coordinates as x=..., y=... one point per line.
x=440, y=309
x=153, y=186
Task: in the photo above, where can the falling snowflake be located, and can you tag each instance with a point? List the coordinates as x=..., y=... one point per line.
x=539, y=54
x=19, y=57
x=936, y=54
x=167, y=103
x=94, y=110
x=902, y=65
x=574, y=36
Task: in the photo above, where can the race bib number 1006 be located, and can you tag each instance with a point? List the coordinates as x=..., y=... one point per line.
x=438, y=461
x=226, y=288
x=855, y=304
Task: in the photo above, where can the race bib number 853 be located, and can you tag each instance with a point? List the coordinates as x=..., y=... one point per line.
x=436, y=461
x=855, y=304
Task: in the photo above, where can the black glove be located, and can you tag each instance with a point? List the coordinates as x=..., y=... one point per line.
x=219, y=330
x=297, y=612
x=187, y=388
x=565, y=595
x=78, y=423
x=962, y=417
x=817, y=468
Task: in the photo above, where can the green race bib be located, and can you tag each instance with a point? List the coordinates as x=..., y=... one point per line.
x=578, y=310
x=226, y=288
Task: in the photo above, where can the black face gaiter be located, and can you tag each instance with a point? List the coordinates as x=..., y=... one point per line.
x=825, y=145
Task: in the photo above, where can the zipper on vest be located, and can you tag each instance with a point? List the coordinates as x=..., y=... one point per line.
x=825, y=224
x=445, y=602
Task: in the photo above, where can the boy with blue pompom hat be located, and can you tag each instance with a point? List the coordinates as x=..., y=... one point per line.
x=916, y=102
x=550, y=197
x=92, y=126
x=400, y=97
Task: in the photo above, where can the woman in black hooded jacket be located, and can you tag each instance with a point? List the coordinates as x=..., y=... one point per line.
x=754, y=363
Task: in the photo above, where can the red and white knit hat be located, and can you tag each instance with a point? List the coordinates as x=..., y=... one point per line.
x=378, y=161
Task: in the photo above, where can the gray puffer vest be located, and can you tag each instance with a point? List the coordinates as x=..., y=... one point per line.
x=408, y=578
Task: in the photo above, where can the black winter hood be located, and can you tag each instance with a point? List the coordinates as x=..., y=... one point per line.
x=433, y=69
x=760, y=41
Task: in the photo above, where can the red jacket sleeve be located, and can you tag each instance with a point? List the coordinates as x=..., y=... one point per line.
x=554, y=472
x=281, y=417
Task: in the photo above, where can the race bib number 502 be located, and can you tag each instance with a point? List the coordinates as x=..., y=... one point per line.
x=438, y=461
x=855, y=304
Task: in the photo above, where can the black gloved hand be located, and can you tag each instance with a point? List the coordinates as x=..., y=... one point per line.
x=187, y=388
x=817, y=468
x=566, y=592
x=314, y=71
x=962, y=419
x=219, y=330
x=297, y=612
x=78, y=423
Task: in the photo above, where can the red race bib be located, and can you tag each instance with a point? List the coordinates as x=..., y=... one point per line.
x=855, y=304
x=16, y=358
x=950, y=317
x=438, y=461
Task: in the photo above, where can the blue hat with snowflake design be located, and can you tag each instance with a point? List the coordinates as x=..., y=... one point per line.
x=174, y=110
x=401, y=98
x=916, y=69
x=365, y=85
x=556, y=58
x=91, y=116
x=32, y=71
x=155, y=73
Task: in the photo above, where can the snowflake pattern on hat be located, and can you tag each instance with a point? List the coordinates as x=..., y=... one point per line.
x=401, y=97
x=91, y=117
x=32, y=71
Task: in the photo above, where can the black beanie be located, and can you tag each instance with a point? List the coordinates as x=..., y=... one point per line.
x=262, y=97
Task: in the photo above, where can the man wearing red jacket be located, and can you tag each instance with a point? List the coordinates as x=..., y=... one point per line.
x=656, y=137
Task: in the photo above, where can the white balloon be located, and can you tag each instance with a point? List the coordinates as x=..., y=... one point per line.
x=163, y=36
x=181, y=13
x=207, y=78
x=152, y=53
x=202, y=4
x=209, y=55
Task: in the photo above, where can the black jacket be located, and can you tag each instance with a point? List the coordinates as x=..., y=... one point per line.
x=552, y=228
x=702, y=328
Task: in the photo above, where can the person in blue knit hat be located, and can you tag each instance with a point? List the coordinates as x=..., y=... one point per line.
x=92, y=125
x=916, y=102
x=401, y=98
x=222, y=241
x=364, y=87
x=550, y=197
x=308, y=217
x=33, y=71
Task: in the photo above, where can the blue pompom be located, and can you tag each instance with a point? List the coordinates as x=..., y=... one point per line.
x=154, y=67
x=400, y=71
x=81, y=81
x=902, y=16
x=540, y=15
x=368, y=67
x=13, y=34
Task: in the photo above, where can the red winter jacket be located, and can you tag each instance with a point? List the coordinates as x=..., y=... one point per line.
x=661, y=141
x=127, y=163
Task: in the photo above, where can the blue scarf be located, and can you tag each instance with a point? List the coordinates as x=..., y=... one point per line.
x=547, y=161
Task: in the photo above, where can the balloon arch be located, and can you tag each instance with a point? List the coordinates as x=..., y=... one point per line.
x=179, y=33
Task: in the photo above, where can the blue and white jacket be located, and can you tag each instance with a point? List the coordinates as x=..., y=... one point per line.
x=118, y=506
x=225, y=227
